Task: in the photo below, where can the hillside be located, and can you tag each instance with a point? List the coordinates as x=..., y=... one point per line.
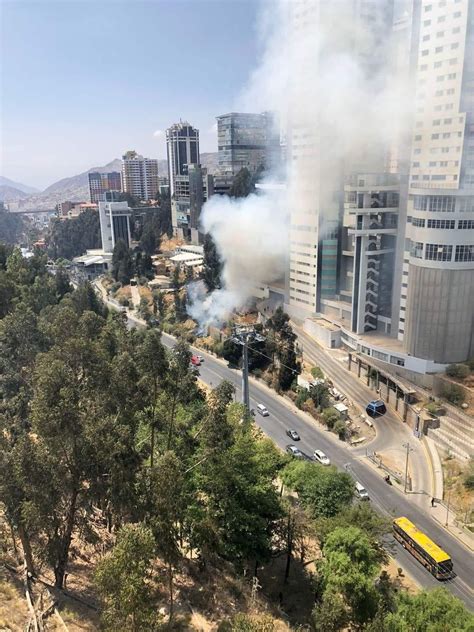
x=76, y=188
x=17, y=185
x=9, y=194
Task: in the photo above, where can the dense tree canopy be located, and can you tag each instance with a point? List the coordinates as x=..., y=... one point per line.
x=69, y=238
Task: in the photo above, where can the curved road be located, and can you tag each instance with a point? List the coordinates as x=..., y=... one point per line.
x=389, y=500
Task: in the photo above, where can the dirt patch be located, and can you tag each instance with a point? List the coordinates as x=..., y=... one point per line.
x=402, y=581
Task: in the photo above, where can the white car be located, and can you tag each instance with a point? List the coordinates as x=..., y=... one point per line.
x=320, y=457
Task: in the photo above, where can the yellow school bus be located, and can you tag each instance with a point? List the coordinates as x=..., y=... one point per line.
x=425, y=550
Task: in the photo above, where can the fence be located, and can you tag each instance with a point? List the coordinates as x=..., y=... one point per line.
x=398, y=476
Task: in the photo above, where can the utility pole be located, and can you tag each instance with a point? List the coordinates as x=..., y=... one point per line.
x=407, y=446
x=242, y=335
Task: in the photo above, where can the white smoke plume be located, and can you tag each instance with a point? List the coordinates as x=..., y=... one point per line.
x=325, y=72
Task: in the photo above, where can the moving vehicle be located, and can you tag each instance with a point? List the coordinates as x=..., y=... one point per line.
x=262, y=410
x=319, y=456
x=294, y=451
x=376, y=408
x=293, y=435
x=361, y=492
x=425, y=550
x=195, y=361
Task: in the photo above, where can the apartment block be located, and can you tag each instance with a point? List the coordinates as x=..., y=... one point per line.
x=100, y=183
x=140, y=176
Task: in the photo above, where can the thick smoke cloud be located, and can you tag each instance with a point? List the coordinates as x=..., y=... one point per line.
x=324, y=71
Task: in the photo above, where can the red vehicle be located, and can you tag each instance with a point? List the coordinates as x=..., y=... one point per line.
x=195, y=360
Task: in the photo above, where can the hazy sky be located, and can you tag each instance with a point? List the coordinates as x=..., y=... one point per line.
x=85, y=80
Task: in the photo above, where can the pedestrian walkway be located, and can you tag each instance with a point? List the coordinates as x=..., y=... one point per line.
x=443, y=514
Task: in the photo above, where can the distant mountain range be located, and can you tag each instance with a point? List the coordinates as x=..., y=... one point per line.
x=74, y=188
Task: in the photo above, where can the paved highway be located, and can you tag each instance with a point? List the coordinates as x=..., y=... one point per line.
x=389, y=500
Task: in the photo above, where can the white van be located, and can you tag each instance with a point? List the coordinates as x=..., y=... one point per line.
x=262, y=410
x=361, y=492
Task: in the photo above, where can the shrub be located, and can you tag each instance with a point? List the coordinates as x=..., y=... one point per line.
x=317, y=373
x=114, y=288
x=302, y=396
x=124, y=302
x=470, y=364
x=432, y=408
x=331, y=417
x=340, y=429
x=453, y=393
x=460, y=371
x=468, y=480
x=257, y=372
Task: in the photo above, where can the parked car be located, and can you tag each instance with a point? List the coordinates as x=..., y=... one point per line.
x=376, y=408
x=294, y=451
x=201, y=359
x=320, y=457
x=293, y=434
x=262, y=410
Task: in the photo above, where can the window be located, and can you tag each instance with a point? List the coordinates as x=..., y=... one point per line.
x=440, y=34
x=427, y=23
x=440, y=78
x=441, y=203
x=441, y=223
x=464, y=253
x=438, y=252
x=443, y=163
x=448, y=121
x=417, y=151
x=438, y=178
x=466, y=224
x=457, y=14
x=416, y=164
x=452, y=75
x=453, y=61
x=419, y=223
x=426, y=38
x=428, y=7
x=424, y=52
x=416, y=249
x=450, y=91
x=457, y=29
x=432, y=163
x=437, y=122
x=446, y=134
x=454, y=46
x=438, y=49
x=424, y=67
x=439, y=93
x=420, y=203
x=438, y=108
x=434, y=136
x=445, y=150
x=449, y=106
x=441, y=18
x=418, y=137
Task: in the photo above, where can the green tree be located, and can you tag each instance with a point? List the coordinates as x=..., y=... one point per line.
x=460, y=371
x=243, y=184
x=122, y=264
x=454, y=393
x=349, y=566
x=330, y=415
x=429, y=611
x=212, y=266
x=69, y=238
x=330, y=614
x=11, y=226
x=123, y=578
x=319, y=393
x=284, y=340
x=324, y=491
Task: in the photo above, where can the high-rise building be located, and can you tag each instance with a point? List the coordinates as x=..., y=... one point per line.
x=392, y=261
x=140, y=176
x=437, y=293
x=100, y=183
x=114, y=224
x=182, y=144
x=247, y=140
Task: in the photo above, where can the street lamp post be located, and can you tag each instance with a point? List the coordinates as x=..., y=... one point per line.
x=408, y=449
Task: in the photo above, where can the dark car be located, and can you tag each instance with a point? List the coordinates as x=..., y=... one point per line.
x=376, y=408
x=293, y=434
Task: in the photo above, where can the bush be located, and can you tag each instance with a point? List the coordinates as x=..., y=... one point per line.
x=124, y=302
x=340, y=429
x=432, y=408
x=114, y=288
x=470, y=364
x=317, y=373
x=468, y=480
x=460, y=371
x=257, y=373
x=331, y=417
x=454, y=393
x=302, y=396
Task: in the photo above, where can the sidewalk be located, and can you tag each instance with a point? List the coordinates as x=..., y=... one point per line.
x=445, y=517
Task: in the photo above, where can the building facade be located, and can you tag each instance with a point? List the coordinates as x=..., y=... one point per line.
x=114, y=224
x=402, y=287
x=100, y=183
x=140, y=176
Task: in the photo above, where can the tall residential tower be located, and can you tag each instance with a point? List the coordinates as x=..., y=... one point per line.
x=140, y=176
